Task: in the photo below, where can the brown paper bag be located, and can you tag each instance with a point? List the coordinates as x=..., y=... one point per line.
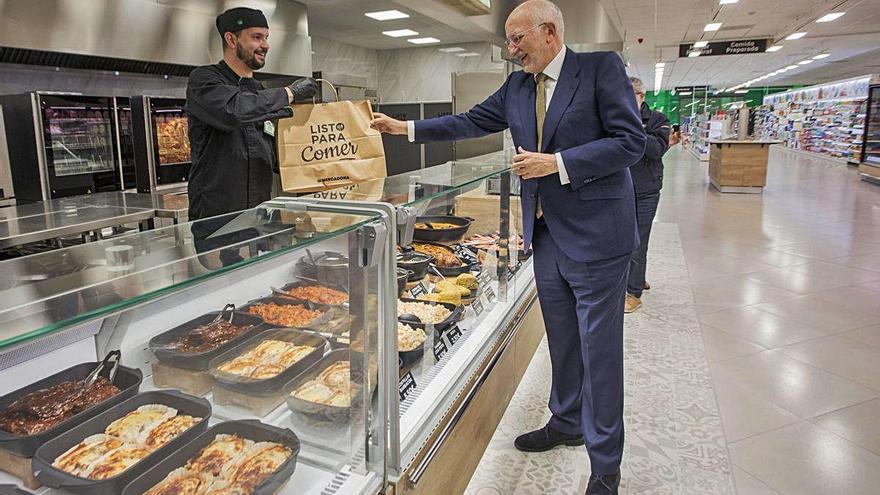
x=328, y=145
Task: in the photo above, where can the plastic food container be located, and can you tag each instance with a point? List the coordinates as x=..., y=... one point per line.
x=127, y=379
x=160, y=344
x=316, y=324
x=303, y=283
x=56, y=478
x=456, y=312
x=318, y=410
x=249, y=429
x=262, y=387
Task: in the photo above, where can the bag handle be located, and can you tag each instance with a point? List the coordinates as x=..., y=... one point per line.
x=336, y=93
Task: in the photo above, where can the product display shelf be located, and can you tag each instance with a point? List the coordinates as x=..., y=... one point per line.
x=828, y=120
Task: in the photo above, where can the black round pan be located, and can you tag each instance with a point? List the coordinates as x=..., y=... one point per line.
x=438, y=235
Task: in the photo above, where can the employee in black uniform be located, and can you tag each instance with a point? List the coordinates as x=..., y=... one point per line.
x=231, y=119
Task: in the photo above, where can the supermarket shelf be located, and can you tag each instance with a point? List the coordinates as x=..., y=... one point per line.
x=812, y=154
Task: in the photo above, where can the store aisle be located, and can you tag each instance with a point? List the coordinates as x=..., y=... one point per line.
x=784, y=289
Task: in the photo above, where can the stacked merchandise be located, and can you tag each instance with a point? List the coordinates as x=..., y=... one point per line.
x=827, y=119
x=701, y=130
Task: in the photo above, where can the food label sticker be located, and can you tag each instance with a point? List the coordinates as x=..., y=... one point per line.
x=269, y=128
x=484, y=278
x=440, y=349
x=453, y=334
x=417, y=291
x=490, y=295
x=477, y=306
x=406, y=385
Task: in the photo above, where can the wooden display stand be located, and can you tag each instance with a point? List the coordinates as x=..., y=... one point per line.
x=739, y=166
x=20, y=467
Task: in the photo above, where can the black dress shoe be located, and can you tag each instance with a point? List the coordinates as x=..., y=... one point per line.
x=603, y=484
x=545, y=439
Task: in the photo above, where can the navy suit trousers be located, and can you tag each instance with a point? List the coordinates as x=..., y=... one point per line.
x=582, y=303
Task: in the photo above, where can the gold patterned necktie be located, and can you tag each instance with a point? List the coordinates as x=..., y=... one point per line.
x=540, y=112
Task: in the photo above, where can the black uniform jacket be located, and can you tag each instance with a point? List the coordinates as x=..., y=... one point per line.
x=233, y=155
x=647, y=173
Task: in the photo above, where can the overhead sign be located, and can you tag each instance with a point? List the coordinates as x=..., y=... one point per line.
x=692, y=89
x=735, y=47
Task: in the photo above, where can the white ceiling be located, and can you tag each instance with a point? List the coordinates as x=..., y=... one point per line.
x=852, y=40
x=344, y=21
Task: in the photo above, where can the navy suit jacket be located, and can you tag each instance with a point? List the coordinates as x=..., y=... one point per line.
x=593, y=120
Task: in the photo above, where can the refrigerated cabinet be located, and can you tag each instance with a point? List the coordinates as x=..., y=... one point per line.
x=60, y=145
x=161, y=141
x=869, y=168
x=403, y=426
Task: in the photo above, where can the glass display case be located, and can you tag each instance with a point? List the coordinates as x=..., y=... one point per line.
x=365, y=321
x=162, y=152
x=230, y=310
x=69, y=150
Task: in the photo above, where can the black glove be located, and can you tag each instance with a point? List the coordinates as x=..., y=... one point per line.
x=303, y=89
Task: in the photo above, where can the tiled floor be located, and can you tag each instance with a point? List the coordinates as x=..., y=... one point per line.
x=786, y=289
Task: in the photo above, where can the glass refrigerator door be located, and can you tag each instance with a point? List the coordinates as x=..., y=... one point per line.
x=872, y=129
x=78, y=135
x=172, y=140
x=126, y=143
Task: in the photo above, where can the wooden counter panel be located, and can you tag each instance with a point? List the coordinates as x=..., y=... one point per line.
x=450, y=471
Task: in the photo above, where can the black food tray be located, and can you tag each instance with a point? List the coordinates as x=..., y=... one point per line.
x=316, y=324
x=199, y=361
x=250, y=429
x=268, y=386
x=323, y=411
x=462, y=226
x=443, y=325
x=56, y=478
x=13, y=490
x=127, y=379
x=304, y=283
x=409, y=357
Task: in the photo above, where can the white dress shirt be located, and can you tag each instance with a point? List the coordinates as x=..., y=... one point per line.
x=552, y=71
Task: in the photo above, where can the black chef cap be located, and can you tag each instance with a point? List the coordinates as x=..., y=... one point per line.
x=234, y=20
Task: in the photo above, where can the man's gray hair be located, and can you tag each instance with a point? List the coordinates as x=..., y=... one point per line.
x=638, y=85
x=541, y=11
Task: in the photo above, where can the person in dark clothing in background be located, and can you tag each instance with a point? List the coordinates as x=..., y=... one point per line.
x=647, y=176
x=231, y=119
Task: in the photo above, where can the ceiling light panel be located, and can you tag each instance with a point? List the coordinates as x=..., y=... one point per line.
x=467, y=54
x=830, y=17
x=795, y=36
x=701, y=44
x=712, y=26
x=821, y=56
x=386, y=15
x=423, y=41
x=451, y=49
x=727, y=2
x=774, y=48
x=400, y=33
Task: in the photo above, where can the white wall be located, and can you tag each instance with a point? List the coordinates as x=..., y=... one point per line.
x=425, y=74
x=334, y=58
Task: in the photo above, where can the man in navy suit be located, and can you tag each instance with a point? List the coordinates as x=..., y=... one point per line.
x=574, y=120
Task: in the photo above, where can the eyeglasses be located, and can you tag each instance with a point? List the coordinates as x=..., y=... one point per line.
x=516, y=39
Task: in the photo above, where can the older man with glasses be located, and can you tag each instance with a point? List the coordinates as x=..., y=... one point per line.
x=577, y=129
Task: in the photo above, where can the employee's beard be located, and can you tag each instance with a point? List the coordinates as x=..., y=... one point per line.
x=251, y=61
